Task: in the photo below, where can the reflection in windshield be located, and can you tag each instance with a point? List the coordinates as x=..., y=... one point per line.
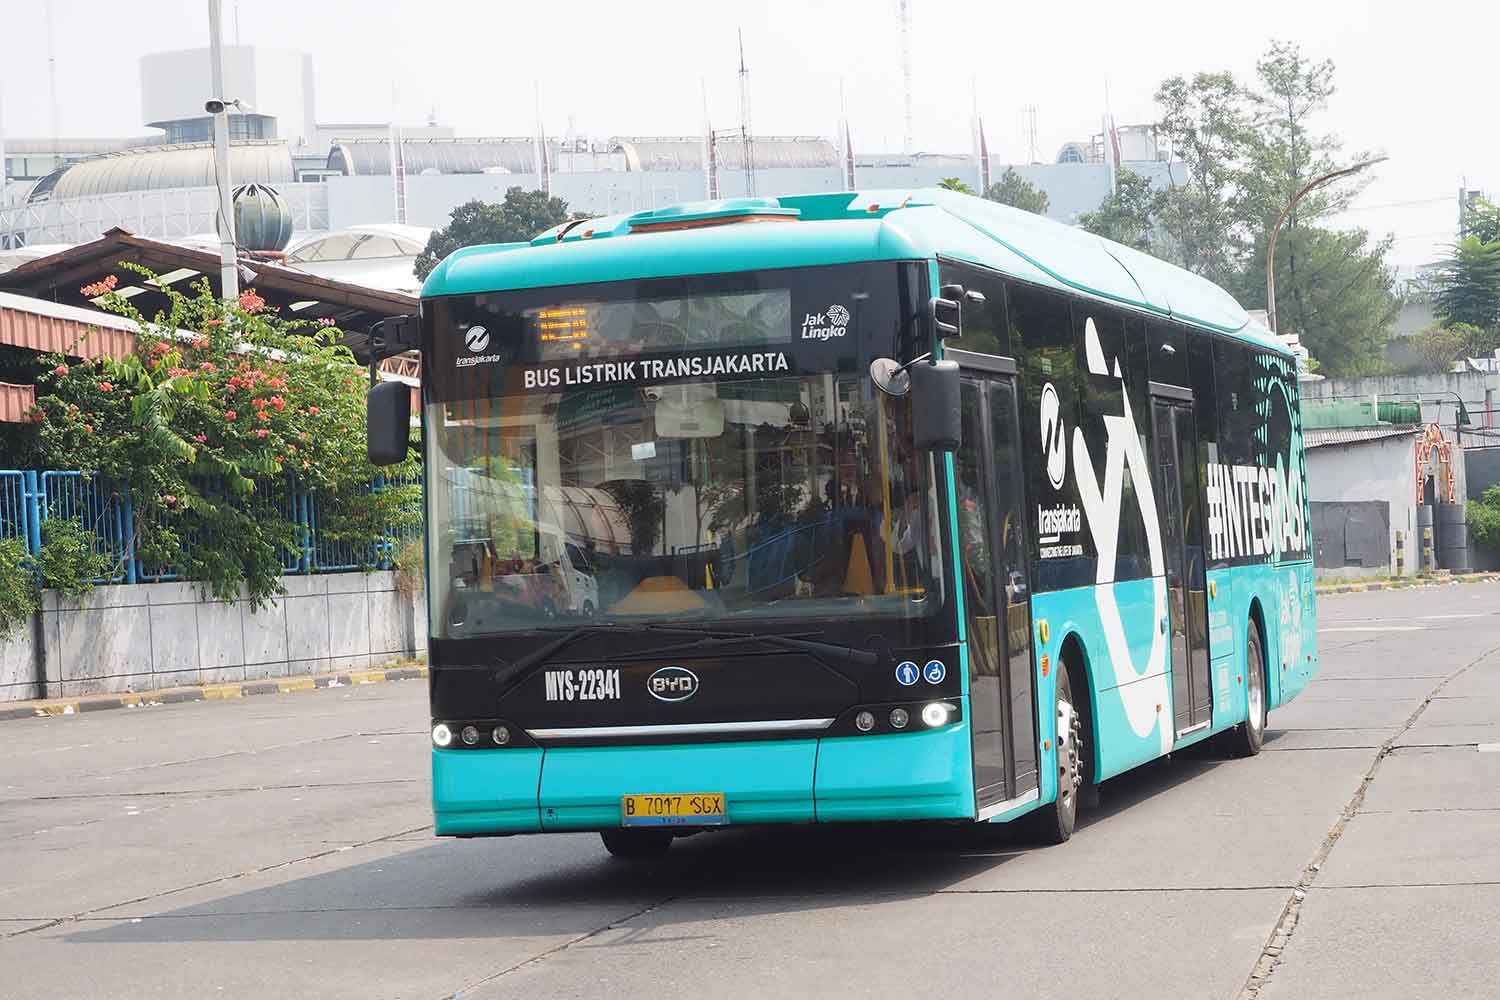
x=774, y=497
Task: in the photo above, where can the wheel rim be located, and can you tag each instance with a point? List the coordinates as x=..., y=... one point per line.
x=1069, y=745
x=1256, y=693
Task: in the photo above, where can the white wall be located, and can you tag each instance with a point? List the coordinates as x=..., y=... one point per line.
x=1384, y=469
x=149, y=636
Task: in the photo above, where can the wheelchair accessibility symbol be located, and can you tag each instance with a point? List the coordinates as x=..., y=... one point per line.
x=934, y=671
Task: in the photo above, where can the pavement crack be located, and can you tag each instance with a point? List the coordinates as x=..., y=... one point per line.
x=90, y=913
x=1281, y=934
x=556, y=949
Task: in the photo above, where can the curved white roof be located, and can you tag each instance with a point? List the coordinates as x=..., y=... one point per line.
x=154, y=168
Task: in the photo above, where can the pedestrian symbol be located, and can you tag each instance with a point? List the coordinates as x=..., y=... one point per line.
x=934, y=671
x=907, y=674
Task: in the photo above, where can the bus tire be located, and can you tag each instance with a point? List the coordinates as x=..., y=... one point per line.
x=1054, y=822
x=636, y=845
x=1246, y=739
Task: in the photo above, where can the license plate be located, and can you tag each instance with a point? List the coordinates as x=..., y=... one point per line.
x=700, y=809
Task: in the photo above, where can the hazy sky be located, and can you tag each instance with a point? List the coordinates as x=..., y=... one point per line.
x=1410, y=84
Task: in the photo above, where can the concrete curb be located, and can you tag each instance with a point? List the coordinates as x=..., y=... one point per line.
x=51, y=707
x=1401, y=584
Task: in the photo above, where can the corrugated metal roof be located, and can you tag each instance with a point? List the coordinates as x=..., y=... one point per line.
x=686, y=152
x=1319, y=437
x=360, y=157
x=180, y=165
x=15, y=402
x=42, y=326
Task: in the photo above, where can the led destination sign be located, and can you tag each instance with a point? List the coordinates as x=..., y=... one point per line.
x=649, y=370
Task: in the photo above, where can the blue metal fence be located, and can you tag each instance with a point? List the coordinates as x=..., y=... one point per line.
x=28, y=499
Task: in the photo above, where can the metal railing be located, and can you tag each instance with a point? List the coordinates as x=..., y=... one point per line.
x=29, y=498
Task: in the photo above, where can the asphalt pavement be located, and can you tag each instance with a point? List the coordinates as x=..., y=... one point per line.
x=281, y=846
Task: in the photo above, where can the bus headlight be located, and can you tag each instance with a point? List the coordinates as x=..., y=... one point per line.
x=899, y=718
x=441, y=735
x=470, y=735
x=936, y=713
x=864, y=722
x=501, y=736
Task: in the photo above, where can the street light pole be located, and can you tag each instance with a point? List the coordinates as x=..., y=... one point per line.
x=229, y=279
x=1290, y=207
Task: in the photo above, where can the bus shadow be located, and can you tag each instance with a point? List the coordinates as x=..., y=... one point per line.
x=567, y=884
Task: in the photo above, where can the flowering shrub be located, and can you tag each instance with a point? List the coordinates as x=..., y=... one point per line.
x=222, y=412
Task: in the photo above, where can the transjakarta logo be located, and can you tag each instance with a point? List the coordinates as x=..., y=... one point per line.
x=1054, y=438
x=476, y=339
x=1254, y=511
x=1054, y=521
x=834, y=322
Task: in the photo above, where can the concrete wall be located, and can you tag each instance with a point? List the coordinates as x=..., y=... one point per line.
x=1352, y=537
x=158, y=635
x=1383, y=470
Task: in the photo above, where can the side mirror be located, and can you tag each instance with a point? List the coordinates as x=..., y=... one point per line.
x=387, y=422
x=936, y=416
x=947, y=316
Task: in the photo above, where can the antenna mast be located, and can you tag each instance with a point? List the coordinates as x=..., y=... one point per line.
x=398, y=158
x=745, y=134
x=904, y=10
x=544, y=180
x=1028, y=127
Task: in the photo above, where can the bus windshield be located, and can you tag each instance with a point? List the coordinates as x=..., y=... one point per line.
x=773, y=497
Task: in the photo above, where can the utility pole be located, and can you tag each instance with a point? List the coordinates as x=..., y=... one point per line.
x=229, y=278
x=746, y=135
x=903, y=8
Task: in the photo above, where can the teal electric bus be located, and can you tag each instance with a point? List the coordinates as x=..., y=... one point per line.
x=843, y=507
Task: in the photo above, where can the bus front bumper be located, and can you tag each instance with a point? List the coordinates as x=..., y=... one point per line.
x=901, y=776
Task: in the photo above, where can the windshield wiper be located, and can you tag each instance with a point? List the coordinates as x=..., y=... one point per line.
x=511, y=673
x=711, y=639
x=518, y=668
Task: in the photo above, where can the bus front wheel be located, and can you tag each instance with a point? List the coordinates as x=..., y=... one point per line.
x=1245, y=739
x=636, y=845
x=1054, y=822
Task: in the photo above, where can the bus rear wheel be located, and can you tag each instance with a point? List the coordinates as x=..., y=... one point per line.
x=1054, y=822
x=636, y=845
x=1245, y=740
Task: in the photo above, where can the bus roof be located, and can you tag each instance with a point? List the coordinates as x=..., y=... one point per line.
x=841, y=228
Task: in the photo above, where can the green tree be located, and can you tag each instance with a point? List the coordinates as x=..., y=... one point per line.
x=520, y=217
x=1467, y=284
x=954, y=184
x=1129, y=215
x=1437, y=347
x=1348, y=300
x=1482, y=221
x=1206, y=122
x=1016, y=191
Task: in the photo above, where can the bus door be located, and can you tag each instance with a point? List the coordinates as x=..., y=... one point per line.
x=997, y=593
x=1182, y=542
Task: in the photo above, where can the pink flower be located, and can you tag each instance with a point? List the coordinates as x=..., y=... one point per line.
x=230, y=415
x=262, y=433
x=201, y=341
x=106, y=387
x=174, y=372
x=99, y=288
x=88, y=428
x=259, y=404
x=208, y=366
x=61, y=370
x=251, y=302
x=170, y=500
x=263, y=417
x=160, y=347
x=327, y=321
x=313, y=411
x=279, y=403
x=211, y=322
x=200, y=438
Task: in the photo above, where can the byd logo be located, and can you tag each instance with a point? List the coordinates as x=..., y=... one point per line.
x=672, y=684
